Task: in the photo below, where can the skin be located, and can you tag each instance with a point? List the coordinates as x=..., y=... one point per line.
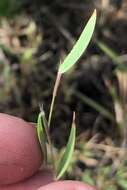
x=20, y=153
x=41, y=178
x=67, y=185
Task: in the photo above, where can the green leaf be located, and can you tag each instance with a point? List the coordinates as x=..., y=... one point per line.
x=95, y=105
x=80, y=45
x=41, y=135
x=87, y=178
x=113, y=56
x=110, y=187
x=67, y=156
x=9, y=7
x=109, y=52
x=123, y=183
x=40, y=130
x=28, y=54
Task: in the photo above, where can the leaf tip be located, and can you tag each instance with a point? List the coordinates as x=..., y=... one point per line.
x=41, y=109
x=95, y=12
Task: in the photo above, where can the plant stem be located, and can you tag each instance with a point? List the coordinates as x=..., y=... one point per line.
x=57, y=82
x=50, y=146
x=48, y=135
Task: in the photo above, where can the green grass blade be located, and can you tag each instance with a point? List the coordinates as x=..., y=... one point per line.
x=67, y=156
x=41, y=135
x=109, y=52
x=113, y=56
x=93, y=104
x=80, y=45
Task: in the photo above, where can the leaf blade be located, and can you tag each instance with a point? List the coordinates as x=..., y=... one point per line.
x=80, y=45
x=41, y=135
x=64, y=162
x=40, y=129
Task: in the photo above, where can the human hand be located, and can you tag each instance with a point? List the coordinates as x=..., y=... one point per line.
x=20, y=159
x=43, y=180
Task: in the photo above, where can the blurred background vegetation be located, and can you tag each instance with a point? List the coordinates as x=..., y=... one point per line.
x=34, y=36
